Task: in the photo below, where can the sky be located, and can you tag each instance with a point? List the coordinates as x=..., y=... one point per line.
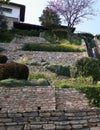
x=34, y=10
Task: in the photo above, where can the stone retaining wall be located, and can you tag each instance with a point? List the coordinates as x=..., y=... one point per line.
x=14, y=54
x=21, y=99
x=70, y=98
x=38, y=56
x=27, y=39
x=51, y=120
x=27, y=98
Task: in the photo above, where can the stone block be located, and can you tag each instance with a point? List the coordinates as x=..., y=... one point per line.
x=48, y=127
x=14, y=128
x=36, y=127
x=95, y=128
x=2, y=128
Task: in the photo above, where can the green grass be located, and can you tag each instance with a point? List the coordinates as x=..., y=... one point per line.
x=44, y=75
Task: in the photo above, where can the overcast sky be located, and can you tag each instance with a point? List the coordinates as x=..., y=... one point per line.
x=34, y=10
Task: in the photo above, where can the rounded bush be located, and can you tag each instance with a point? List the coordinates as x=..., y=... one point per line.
x=3, y=58
x=88, y=66
x=13, y=70
x=43, y=82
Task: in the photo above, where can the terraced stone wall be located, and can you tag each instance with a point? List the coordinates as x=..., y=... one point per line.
x=30, y=98
x=51, y=120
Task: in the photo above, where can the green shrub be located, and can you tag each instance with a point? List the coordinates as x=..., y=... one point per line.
x=98, y=36
x=84, y=85
x=87, y=66
x=36, y=75
x=19, y=83
x=79, y=82
x=59, y=69
x=93, y=94
x=14, y=83
x=43, y=82
x=34, y=63
x=6, y=36
x=25, y=32
x=2, y=49
x=49, y=36
x=89, y=36
x=51, y=47
x=43, y=75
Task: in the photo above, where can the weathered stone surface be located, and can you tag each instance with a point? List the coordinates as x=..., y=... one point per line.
x=27, y=39
x=2, y=128
x=13, y=53
x=27, y=99
x=95, y=128
x=49, y=127
x=36, y=127
x=14, y=128
x=52, y=120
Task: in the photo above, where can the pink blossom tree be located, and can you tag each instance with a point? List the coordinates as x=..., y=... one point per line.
x=73, y=11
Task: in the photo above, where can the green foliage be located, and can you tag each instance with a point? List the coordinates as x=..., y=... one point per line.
x=36, y=75
x=49, y=36
x=20, y=83
x=51, y=47
x=2, y=49
x=93, y=94
x=22, y=60
x=98, y=37
x=89, y=36
x=49, y=18
x=6, y=36
x=14, y=83
x=60, y=34
x=43, y=75
x=88, y=67
x=3, y=22
x=59, y=69
x=25, y=32
x=84, y=85
x=43, y=82
x=7, y=1
x=79, y=82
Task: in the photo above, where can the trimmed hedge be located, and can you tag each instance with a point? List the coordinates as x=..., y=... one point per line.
x=51, y=47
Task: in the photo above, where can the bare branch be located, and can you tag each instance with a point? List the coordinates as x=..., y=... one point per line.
x=73, y=11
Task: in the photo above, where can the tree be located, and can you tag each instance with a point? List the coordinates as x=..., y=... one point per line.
x=4, y=1
x=3, y=23
x=49, y=17
x=72, y=11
